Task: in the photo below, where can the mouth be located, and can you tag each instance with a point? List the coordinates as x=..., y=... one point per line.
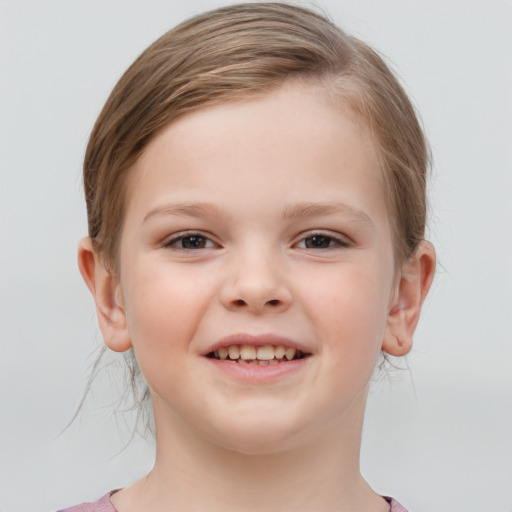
x=259, y=350
x=257, y=355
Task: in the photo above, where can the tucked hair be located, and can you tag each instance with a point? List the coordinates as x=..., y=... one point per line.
x=239, y=52
x=236, y=53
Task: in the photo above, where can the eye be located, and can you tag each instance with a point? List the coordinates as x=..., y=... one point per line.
x=190, y=242
x=321, y=241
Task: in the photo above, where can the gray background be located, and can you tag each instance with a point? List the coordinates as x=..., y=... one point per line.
x=438, y=438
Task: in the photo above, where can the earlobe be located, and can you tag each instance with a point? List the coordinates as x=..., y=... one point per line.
x=417, y=276
x=107, y=294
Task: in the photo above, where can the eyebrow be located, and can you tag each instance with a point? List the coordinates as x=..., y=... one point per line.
x=318, y=209
x=291, y=212
x=186, y=210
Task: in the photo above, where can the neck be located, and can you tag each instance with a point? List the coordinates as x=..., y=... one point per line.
x=191, y=473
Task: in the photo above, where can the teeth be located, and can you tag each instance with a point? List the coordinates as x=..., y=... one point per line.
x=247, y=352
x=290, y=353
x=234, y=352
x=279, y=352
x=265, y=353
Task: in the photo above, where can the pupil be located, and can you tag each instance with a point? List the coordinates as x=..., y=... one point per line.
x=193, y=242
x=318, y=241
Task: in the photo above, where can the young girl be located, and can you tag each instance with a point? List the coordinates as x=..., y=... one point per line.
x=255, y=190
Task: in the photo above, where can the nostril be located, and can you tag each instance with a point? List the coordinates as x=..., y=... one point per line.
x=239, y=302
x=273, y=302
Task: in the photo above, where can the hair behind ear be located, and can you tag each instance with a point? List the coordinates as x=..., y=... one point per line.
x=106, y=291
x=412, y=288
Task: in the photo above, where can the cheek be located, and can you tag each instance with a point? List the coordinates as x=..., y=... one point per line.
x=350, y=314
x=163, y=312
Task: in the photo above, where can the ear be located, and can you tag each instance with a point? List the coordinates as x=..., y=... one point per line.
x=416, y=278
x=107, y=294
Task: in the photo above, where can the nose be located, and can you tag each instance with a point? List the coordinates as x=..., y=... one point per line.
x=256, y=284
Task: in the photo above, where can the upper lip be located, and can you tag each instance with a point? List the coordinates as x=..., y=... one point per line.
x=259, y=340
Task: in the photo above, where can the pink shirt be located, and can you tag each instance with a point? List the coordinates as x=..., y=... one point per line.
x=104, y=505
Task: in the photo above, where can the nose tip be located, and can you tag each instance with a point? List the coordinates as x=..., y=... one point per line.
x=261, y=305
x=255, y=290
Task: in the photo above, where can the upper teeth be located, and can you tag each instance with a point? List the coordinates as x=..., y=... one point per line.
x=249, y=352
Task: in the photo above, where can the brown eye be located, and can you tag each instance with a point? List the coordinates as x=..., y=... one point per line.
x=320, y=242
x=193, y=242
x=190, y=242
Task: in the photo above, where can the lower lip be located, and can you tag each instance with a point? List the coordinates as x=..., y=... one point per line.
x=254, y=373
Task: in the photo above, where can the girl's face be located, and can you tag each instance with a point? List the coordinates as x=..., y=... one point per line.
x=259, y=223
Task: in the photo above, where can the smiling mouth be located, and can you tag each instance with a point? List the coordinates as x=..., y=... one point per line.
x=251, y=355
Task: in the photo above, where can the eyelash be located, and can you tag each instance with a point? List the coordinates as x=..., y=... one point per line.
x=337, y=241
x=333, y=241
x=173, y=242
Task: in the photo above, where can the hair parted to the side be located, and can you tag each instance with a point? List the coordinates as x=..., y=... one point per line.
x=239, y=52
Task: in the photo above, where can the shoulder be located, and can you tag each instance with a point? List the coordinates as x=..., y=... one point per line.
x=102, y=505
x=395, y=506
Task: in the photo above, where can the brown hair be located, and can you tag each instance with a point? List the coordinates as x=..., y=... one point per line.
x=234, y=53
x=238, y=52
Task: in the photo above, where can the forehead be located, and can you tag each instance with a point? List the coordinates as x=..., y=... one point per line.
x=292, y=144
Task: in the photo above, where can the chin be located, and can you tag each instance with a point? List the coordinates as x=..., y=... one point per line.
x=257, y=436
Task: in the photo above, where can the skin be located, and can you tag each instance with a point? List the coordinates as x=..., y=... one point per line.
x=246, y=179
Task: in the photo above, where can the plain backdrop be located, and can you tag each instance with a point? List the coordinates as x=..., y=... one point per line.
x=437, y=437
